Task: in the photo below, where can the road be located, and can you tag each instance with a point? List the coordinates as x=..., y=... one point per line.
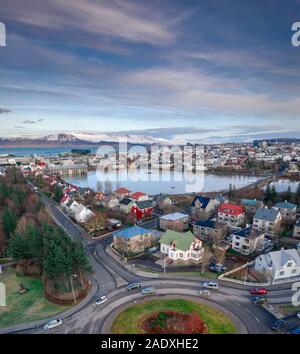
x=110, y=279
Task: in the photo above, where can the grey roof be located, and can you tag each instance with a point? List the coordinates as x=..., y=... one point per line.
x=266, y=214
x=174, y=216
x=285, y=205
x=125, y=201
x=297, y=222
x=280, y=258
x=145, y=204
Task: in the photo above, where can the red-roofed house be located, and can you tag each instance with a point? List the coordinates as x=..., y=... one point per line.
x=64, y=200
x=231, y=214
x=139, y=196
x=122, y=192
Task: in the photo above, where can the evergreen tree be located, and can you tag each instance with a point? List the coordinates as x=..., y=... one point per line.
x=274, y=195
x=58, y=194
x=267, y=196
x=289, y=194
x=9, y=221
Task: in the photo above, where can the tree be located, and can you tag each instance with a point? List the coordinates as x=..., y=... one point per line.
x=274, y=195
x=267, y=196
x=297, y=196
x=205, y=259
x=107, y=187
x=289, y=194
x=58, y=193
x=9, y=221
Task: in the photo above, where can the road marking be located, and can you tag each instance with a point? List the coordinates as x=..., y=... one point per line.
x=247, y=310
x=256, y=319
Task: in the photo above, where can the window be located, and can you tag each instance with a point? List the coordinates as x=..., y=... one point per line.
x=281, y=273
x=181, y=255
x=289, y=264
x=294, y=271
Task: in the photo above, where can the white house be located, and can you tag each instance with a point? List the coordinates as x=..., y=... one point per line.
x=296, y=232
x=288, y=211
x=182, y=247
x=71, y=206
x=231, y=214
x=267, y=220
x=278, y=265
x=247, y=241
x=82, y=214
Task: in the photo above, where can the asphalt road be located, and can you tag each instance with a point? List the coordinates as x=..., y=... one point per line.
x=110, y=279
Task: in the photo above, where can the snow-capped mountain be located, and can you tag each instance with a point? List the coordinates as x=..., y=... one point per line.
x=79, y=139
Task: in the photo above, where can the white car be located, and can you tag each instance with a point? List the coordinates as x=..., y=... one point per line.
x=101, y=300
x=53, y=324
x=298, y=315
x=204, y=292
x=211, y=285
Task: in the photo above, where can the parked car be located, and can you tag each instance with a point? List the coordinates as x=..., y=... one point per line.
x=52, y=324
x=205, y=292
x=278, y=325
x=258, y=299
x=298, y=315
x=295, y=330
x=133, y=286
x=211, y=285
x=148, y=291
x=258, y=291
x=101, y=300
x=217, y=268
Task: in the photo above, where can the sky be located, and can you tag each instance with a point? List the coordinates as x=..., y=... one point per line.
x=204, y=71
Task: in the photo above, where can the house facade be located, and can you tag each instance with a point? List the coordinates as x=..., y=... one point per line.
x=296, y=231
x=267, y=220
x=203, y=208
x=231, y=214
x=133, y=240
x=209, y=230
x=122, y=193
x=142, y=209
x=287, y=210
x=139, y=196
x=181, y=247
x=283, y=264
x=247, y=241
x=174, y=221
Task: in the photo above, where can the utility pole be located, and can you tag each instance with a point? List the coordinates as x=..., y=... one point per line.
x=73, y=275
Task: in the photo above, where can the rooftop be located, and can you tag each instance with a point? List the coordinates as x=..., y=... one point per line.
x=203, y=200
x=231, y=209
x=285, y=205
x=131, y=232
x=182, y=240
x=266, y=214
x=174, y=216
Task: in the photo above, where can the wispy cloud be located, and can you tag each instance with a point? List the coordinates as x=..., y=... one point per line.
x=4, y=110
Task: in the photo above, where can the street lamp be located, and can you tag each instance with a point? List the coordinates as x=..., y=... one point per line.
x=75, y=276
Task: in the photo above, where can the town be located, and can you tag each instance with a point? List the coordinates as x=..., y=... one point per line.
x=248, y=236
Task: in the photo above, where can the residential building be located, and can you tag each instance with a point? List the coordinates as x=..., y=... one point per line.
x=288, y=211
x=267, y=220
x=247, y=241
x=203, y=208
x=139, y=196
x=125, y=205
x=209, y=230
x=174, y=221
x=133, y=240
x=283, y=264
x=122, y=193
x=182, y=247
x=231, y=214
x=83, y=214
x=142, y=209
x=296, y=232
x=252, y=204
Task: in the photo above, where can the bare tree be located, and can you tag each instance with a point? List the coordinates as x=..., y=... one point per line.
x=99, y=186
x=107, y=187
x=205, y=258
x=220, y=255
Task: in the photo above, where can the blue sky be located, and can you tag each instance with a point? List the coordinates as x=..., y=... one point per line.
x=208, y=71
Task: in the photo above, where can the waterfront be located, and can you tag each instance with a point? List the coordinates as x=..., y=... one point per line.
x=170, y=182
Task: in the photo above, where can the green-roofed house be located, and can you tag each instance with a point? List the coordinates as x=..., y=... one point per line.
x=180, y=246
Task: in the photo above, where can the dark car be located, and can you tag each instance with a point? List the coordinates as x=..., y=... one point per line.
x=258, y=291
x=295, y=330
x=278, y=325
x=258, y=300
x=133, y=286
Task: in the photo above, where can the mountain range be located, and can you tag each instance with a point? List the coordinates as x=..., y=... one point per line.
x=80, y=139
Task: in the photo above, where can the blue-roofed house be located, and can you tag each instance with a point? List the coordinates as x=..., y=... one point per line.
x=209, y=230
x=252, y=204
x=133, y=241
x=287, y=210
x=203, y=208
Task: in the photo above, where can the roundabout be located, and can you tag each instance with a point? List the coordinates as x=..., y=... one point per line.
x=172, y=316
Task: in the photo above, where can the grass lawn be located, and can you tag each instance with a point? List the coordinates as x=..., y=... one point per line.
x=127, y=322
x=191, y=274
x=28, y=307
